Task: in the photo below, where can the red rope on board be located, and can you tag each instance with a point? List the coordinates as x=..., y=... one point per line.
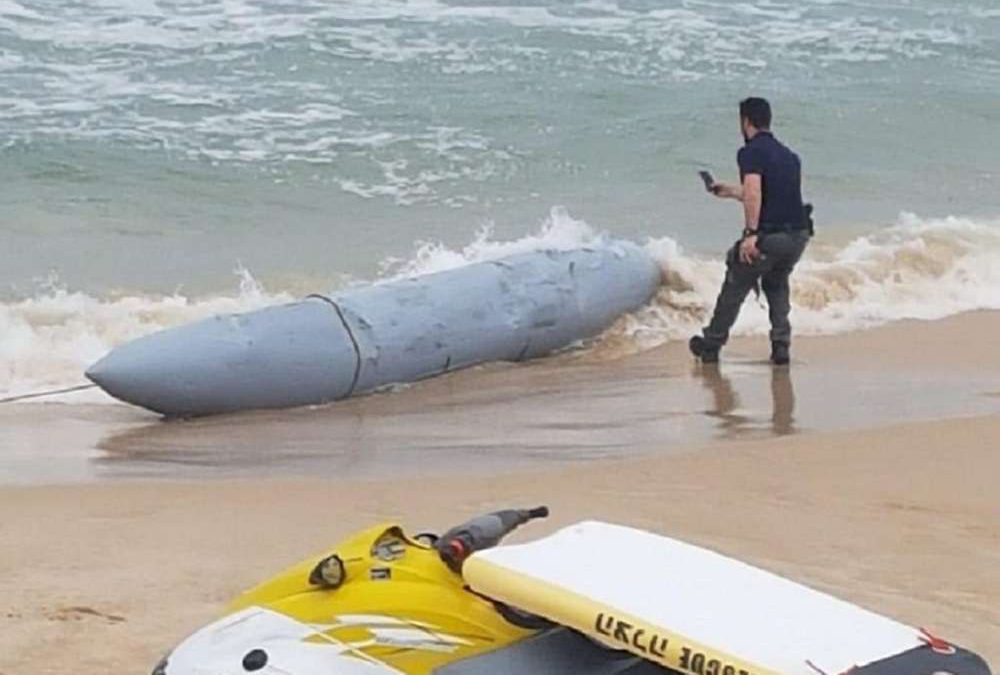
x=937, y=644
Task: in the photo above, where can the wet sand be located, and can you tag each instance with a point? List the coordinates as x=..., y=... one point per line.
x=843, y=475
x=589, y=405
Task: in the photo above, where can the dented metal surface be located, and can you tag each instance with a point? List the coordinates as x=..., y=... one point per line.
x=326, y=348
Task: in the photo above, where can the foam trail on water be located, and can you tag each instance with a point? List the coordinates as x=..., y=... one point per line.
x=915, y=269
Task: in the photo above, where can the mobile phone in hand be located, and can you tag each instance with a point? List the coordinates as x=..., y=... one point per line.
x=707, y=179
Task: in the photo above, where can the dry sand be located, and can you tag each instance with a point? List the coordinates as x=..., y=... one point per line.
x=903, y=518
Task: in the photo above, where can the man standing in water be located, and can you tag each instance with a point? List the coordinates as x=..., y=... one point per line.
x=776, y=230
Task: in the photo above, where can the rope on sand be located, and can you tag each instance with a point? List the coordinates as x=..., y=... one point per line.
x=51, y=392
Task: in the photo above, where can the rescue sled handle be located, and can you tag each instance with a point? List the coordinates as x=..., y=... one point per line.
x=482, y=532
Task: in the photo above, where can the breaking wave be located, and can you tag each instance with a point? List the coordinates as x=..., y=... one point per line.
x=914, y=269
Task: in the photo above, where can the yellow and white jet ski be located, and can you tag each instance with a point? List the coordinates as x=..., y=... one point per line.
x=591, y=599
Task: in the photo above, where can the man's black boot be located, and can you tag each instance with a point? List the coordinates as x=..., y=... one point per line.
x=779, y=353
x=702, y=350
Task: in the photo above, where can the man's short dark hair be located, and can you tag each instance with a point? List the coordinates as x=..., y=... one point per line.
x=757, y=111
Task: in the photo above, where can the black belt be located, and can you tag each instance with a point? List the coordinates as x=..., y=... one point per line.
x=783, y=228
x=806, y=225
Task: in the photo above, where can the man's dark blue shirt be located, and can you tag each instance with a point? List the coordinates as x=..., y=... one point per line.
x=781, y=180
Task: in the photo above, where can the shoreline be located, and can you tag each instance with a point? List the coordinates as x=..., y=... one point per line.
x=580, y=406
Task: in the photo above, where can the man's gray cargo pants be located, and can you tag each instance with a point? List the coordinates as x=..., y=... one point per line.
x=780, y=251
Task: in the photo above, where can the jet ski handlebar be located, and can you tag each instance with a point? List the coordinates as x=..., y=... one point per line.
x=482, y=532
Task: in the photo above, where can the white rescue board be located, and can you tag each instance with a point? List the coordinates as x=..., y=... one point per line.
x=684, y=607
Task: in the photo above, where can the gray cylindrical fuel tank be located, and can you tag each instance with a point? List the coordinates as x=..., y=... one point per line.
x=326, y=348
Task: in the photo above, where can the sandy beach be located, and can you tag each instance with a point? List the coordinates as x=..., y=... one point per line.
x=868, y=469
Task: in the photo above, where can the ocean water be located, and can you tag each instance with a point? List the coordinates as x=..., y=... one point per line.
x=163, y=160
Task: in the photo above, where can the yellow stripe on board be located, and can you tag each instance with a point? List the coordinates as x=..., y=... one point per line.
x=605, y=624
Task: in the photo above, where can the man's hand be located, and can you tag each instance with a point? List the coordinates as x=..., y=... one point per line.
x=748, y=250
